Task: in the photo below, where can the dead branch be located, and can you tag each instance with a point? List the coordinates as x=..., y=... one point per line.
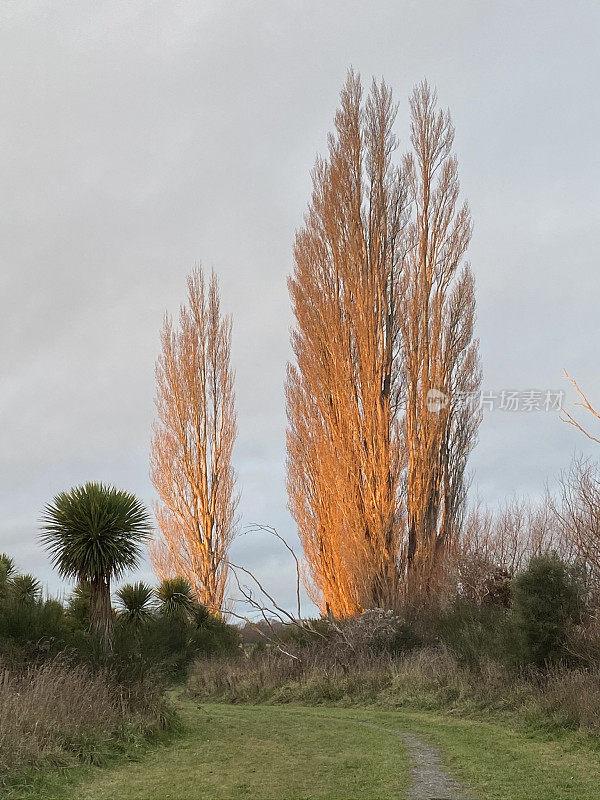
x=585, y=403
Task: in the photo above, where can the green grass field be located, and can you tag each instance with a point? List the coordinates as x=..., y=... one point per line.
x=295, y=752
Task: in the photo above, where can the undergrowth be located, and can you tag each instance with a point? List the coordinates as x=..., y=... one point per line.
x=56, y=715
x=425, y=679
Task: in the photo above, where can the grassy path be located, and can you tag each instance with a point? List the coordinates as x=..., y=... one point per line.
x=259, y=752
x=292, y=752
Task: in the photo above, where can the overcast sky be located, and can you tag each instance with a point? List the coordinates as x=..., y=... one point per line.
x=139, y=139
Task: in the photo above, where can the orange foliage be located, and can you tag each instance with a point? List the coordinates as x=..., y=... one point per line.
x=192, y=445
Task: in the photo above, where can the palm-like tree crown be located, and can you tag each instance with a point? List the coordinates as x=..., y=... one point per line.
x=94, y=531
x=25, y=588
x=136, y=601
x=7, y=571
x=175, y=596
x=7, y=566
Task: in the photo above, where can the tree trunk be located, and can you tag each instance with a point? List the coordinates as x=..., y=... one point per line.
x=101, y=619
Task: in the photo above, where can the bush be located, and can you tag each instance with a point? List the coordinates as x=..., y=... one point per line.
x=165, y=644
x=545, y=603
x=374, y=631
x=379, y=631
x=63, y=699
x=34, y=630
x=158, y=640
x=473, y=631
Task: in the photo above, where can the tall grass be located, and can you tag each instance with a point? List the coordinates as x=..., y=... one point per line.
x=59, y=714
x=430, y=678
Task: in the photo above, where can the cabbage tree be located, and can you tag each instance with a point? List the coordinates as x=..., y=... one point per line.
x=93, y=533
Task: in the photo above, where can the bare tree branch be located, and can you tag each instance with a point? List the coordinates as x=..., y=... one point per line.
x=585, y=403
x=273, y=532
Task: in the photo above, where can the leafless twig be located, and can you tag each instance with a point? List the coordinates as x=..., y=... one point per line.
x=585, y=403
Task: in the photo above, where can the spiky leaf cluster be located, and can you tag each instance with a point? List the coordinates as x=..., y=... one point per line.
x=135, y=602
x=175, y=596
x=94, y=531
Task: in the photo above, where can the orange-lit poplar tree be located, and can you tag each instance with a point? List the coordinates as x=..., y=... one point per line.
x=384, y=315
x=192, y=445
x=344, y=437
x=441, y=361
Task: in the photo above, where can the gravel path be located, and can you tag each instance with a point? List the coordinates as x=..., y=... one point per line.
x=430, y=781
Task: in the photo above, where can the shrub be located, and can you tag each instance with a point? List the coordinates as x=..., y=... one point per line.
x=165, y=643
x=374, y=631
x=158, y=633
x=78, y=606
x=473, y=631
x=545, y=602
x=33, y=629
x=175, y=597
x=378, y=630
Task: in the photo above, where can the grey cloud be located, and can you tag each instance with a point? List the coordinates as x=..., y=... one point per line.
x=138, y=139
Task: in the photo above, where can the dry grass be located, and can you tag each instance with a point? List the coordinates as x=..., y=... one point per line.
x=426, y=679
x=59, y=714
